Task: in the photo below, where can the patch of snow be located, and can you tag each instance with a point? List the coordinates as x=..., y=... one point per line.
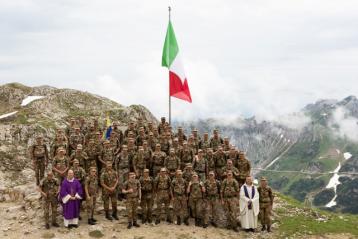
x=333, y=183
x=7, y=115
x=29, y=99
x=256, y=182
x=347, y=155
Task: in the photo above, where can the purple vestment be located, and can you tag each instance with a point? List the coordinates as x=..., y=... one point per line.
x=71, y=208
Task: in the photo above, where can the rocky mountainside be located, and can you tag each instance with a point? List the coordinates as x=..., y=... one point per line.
x=320, y=139
x=25, y=111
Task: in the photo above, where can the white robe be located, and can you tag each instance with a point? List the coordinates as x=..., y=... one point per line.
x=248, y=217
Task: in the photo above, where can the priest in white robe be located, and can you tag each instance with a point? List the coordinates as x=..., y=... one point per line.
x=249, y=205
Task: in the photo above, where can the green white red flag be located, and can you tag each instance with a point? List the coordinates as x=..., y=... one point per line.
x=178, y=83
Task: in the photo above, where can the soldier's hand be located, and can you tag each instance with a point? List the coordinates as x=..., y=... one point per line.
x=130, y=190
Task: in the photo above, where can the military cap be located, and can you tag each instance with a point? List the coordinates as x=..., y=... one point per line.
x=263, y=179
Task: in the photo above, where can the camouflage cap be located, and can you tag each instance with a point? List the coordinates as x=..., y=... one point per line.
x=146, y=170
x=39, y=136
x=106, y=142
x=79, y=146
x=76, y=161
x=263, y=179
x=188, y=165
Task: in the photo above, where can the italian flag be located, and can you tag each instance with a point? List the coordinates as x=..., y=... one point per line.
x=178, y=84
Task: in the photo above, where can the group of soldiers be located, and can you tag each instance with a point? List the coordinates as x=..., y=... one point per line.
x=148, y=166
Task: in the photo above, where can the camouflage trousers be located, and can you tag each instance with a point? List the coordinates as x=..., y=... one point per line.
x=122, y=175
x=265, y=215
x=39, y=170
x=231, y=206
x=219, y=173
x=163, y=198
x=211, y=209
x=196, y=206
x=180, y=206
x=147, y=205
x=91, y=205
x=109, y=196
x=131, y=208
x=47, y=204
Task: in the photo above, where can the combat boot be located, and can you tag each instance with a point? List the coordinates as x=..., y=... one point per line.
x=214, y=224
x=186, y=221
x=169, y=220
x=135, y=224
x=90, y=222
x=114, y=215
x=263, y=228
x=108, y=216
x=269, y=228
x=55, y=224
x=47, y=226
x=93, y=219
x=157, y=221
x=129, y=225
x=178, y=221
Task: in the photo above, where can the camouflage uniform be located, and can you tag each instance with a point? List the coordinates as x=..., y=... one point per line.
x=229, y=191
x=244, y=167
x=123, y=167
x=172, y=163
x=147, y=186
x=50, y=187
x=132, y=198
x=212, y=196
x=162, y=188
x=39, y=156
x=180, y=200
x=186, y=156
x=158, y=159
x=91, y=183
x=109, y=178
x=266, y=201
x=60, y=164
x=81, y=157
x=220, y=163
x=211, y=162
x=92, y=153
x=201, y=168
x=107, y=155
x=75, y=139
x=196, y=201
x=139, y=164
x=215, y=143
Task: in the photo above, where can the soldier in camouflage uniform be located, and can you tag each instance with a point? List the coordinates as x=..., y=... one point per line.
x=75, y=139
x=196, y=190
x=220, y=162
x=229, y=197
x=80, y=155
x=196, y=139
x=106, y=155
x=147, y=186
x=123, y=167
x=244, y=167
x=186, y=155
x=204, y=143
x=91, y=190
x=188, y=172
x=212, y=196
x=152, y=141
x=132, y=189
x=109, y=183
x=210, y=159
x=180, y=199
x=162, y=125
x=230, y=167
x=200, y=166
x=139, y=163
x=118, y=131
x=141, y=137
x=162, y=185
x=49, y=189
x=180, y=135
x=266, y=201
x=216, y=140
x=59, y=142
x=60, y=164
x=158, y=158
x=172, y=163
x=39, y=156
x=92, y=152
x=147, y=155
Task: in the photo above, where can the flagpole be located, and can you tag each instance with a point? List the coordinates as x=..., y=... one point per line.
x=170, y=99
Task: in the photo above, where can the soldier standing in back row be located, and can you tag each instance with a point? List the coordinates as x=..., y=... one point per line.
x=39, y=156
x=266, y=202
x=49, y=189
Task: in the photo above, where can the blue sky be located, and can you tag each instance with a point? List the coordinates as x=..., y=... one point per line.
x=242, y=58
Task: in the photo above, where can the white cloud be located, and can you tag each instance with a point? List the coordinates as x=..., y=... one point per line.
x=242, y=58
x=344, y=125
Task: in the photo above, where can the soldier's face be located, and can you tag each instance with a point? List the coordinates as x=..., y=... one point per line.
x=93, y=172
x=211, y=175
x=132, y=176
x=263, y=183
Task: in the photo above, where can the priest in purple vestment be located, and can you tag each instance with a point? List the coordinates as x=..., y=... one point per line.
x=71, y=194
